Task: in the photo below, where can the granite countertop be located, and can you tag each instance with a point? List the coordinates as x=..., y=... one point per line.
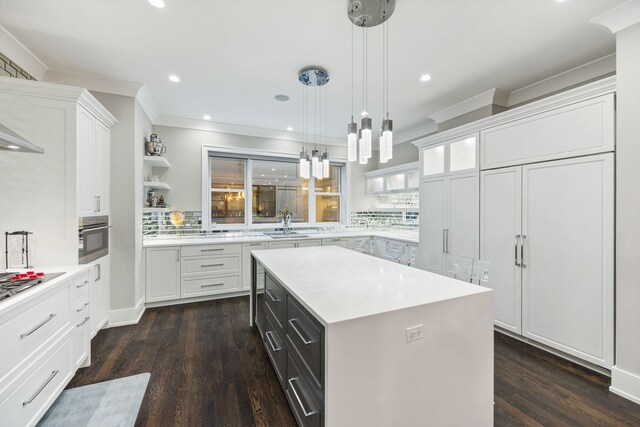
x=405, y=236
x=356, y=285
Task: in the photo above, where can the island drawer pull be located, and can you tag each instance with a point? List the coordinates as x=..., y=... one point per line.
x=86, y=319
x=212, y=285
x=86, y=304
x=304, y=340
x=295, y=393
x=273, y=296
x=269, y=335
x=38, y=326
x=83, y=284
x=212, y=250
x=211, y=265
x=32, y=398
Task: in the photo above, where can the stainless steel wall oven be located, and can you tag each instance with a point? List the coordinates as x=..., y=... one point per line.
x=93, y=238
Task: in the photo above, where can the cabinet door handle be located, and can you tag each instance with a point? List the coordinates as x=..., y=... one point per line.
x=273, y=296
x=304, y=340
x=211, y=285
x=98, y=272
x=524, y=236
x=211, y=265
x=95, y=203
x=98, y=203
x=39, y=325
x=516, y=241
x=83, y=284
x=32, y=398
x=212, y=250
x=86, y=304
x=295, y=393
x=444, y=233
x=86, y=319
x=269, y=336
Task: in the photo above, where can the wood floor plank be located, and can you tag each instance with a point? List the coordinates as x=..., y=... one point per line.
x=209, y=368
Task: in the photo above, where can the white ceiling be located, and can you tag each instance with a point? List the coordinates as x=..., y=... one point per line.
x=234, y=56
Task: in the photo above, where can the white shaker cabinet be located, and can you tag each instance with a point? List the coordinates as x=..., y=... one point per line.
x=94, y=139
x=547, y=230
x=162, y=274
x=99, y=294
x=453, y=156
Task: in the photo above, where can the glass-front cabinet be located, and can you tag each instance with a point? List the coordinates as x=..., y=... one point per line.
x=402, y=178
x=458, y=155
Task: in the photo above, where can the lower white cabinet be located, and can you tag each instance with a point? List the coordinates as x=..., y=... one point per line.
x=162, y=273
x=360, y=244
x=548, y=233
x=81, y=315
x=99, y=271
x=336, y=242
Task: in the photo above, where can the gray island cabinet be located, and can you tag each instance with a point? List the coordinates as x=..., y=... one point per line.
x=360, y=341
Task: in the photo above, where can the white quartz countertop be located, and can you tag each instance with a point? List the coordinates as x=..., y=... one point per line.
x=222, y=238
x=337, y=284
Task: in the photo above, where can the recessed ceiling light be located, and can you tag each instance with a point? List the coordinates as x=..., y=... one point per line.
x=174, y=78
x=273, y=170
x=425, y=78
x=13, y=147
x=281, y=98
x=157, y=3
x=364, y=114
x=289, y=128
x=206, y=117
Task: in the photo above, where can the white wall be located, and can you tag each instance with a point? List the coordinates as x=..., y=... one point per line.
x=402, y=153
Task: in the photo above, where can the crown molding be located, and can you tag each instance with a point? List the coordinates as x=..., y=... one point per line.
x=490, y=97
x=415, y=133
x=93, y=82
x=590, y=90
x=23, y=57
x=185, y=123
x=146, y=102
x=620, y=17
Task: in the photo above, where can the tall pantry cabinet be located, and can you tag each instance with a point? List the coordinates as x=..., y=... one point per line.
x=546, y=219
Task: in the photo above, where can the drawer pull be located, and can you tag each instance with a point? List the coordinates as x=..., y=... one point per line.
x=86, y=319
x=212, y=250
x=86, y=304
x=32, y=398
x=211, y=285
x=269, y=336
x=295, y=393
x=39, y=325
x=304, y=340
x=211, y=265
x=273, y=296
x=85, y=283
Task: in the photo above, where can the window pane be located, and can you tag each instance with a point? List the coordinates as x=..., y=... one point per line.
x=277, y=184
x=327, y=208
x=227, y=208
x=330, y=184
x=227, y=173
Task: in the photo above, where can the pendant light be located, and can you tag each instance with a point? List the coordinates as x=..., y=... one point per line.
x=316, y=78
x=362, y=159
x=387, y=124
x=352, y=128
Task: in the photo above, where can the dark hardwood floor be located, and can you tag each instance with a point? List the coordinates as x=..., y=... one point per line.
x=208, y=368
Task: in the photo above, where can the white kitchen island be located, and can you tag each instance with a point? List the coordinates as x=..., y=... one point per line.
x=334, y=323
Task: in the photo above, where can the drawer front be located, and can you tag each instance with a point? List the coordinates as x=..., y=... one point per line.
x=196, y=266
x=274, y=343
x=27, y=331
x=359, y=245
x=275, y=299
x=210, y=285
x=305, y=336
x=335, y=242
x=207, y=250
x=33, y=395
x=309, y=243
x=282, y=245
x=80, y=290
x=305, y=400
x=81, y=341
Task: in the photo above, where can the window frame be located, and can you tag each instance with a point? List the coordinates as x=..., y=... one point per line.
x=249, y=155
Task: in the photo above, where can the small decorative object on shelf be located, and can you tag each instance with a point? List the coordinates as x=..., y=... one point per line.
x=151, y=199
x=161, y=203
x=177, y=218
x=154, y=146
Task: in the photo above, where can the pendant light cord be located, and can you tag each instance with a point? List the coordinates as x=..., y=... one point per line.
x=352, y=78
x=364, y=69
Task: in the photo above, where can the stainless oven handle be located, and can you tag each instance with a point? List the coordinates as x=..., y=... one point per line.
x=94, y=229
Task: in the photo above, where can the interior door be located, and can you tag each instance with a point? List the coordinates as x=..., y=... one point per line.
x=432, y=224
x=463, y=215
x=500, y=224
x=568, y=211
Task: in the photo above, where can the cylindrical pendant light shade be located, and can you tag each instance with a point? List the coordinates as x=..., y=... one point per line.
x=366, y=136
x=361, y=157
x=325, y=165
x=387, y=133
x=352, y=142
x=383, y=148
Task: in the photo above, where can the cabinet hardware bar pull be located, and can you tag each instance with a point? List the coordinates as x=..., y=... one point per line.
x=211, y=285
x=447, y=239
x=212, y=250
x=211, y=265
x=304, y=340
x=269, y=336
x=98, y=203
x=516, y=240
x=86, y=319
x=32, y=398
x=96, y=229
x=295, y=393
x=83, y=284
x=443, y=239
x=86, y=304
x=40, y=325
x=524, y=236
x=273, y=297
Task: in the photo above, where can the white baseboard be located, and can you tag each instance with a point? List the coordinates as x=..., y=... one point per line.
x=126, y=316
x=625, y=384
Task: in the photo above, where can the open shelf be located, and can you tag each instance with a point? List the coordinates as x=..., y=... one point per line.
x=156, y=209
x=157, y=185
x=157, y=161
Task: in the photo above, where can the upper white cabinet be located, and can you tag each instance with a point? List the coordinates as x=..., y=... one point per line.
x=394, y=179
x=93, y=160
x=456, y=155
x=581, y=128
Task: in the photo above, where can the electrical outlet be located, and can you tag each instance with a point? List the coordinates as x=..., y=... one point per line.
x=415, y=333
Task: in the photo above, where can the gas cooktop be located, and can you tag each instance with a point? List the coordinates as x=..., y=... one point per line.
x=14, y=283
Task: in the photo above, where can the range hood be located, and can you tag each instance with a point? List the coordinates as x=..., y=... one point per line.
x=11, y=141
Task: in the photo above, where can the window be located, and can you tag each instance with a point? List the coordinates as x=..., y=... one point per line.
x=239, y=184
